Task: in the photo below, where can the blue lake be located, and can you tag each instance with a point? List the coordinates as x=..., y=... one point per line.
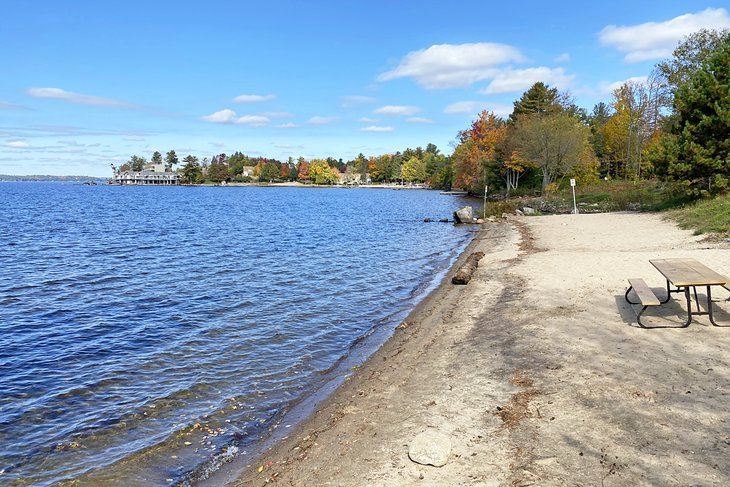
x=146, y=330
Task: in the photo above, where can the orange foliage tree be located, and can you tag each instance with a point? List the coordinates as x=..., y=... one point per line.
x=477, y=148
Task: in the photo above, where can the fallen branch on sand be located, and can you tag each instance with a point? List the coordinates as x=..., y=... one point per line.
x=464, y=273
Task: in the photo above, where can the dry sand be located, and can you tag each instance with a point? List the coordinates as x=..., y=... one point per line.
x=537, y=372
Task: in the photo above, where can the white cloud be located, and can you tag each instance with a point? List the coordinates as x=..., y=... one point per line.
x=453, y=65
x=229, y=116
x=517, y=80
x=367, y=120
x=317, y=120
x=475, y=107
x=462, y=107
x=256, y=120
x=656, y=40
x=288, y=125
x=397, y=110
x=253, y=98
x=6, y=105
x=563, y=58
x=419, y=120
x=277, y=114
x=222, y=116
x=607, y=88
x=288, y=146
x=17, y=144
x=377, y=129
x=59, y=94
x=348, y=101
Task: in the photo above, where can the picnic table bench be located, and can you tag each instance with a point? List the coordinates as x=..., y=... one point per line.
x=684, y=274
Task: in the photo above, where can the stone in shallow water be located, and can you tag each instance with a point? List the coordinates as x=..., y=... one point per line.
x=430, y=448
x=464, y=215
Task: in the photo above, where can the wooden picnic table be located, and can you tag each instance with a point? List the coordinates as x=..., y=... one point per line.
x=685, y=274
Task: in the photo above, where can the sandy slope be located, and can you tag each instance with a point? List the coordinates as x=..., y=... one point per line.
x=537, y=372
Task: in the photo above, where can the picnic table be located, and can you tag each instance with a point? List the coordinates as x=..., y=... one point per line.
x=684, y=275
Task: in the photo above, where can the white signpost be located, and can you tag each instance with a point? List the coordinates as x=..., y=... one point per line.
x=572, y=186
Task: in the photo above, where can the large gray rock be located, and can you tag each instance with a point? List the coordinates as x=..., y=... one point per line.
x=464, y=215
x=528, y=211
x=430, y=448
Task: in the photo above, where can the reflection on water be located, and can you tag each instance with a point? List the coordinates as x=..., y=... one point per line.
x=143, y=329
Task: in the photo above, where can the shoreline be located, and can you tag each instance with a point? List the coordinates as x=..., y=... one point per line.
x=226, y=468
x=536, y=371
x=245, y=471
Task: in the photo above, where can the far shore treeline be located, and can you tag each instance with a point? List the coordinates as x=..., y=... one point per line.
x=673, y=125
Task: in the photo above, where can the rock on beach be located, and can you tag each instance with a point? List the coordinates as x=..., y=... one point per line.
x=430, y=448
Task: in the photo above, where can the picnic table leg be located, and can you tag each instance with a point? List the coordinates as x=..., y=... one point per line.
x=689, y=307
x=638, y=317
x=709, y=307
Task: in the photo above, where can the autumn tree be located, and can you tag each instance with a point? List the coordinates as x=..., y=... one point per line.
x=477, y=148
x=627, y=130
x=414, y=170
x=556, y=143
x=320, y=172
x=269, y=172
x=284, y=172
x=303, y=170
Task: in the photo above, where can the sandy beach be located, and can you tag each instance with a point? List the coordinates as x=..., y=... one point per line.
x=536, y=371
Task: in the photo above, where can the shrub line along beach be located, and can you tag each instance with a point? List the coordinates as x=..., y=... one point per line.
x=536, y=372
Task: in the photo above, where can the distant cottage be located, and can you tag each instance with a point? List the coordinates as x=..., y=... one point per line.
x=151, y=174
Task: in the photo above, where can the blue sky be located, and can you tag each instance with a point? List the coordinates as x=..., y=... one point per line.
x=85, y=84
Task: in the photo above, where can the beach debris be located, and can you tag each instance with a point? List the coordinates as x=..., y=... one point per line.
x=464, y=215
x=430, y=448
x=464, y=273
x=403, y=325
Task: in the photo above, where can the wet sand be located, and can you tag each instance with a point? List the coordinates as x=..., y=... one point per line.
x=536, y=371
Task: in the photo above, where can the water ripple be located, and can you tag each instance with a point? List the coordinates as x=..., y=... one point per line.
x=138, y=325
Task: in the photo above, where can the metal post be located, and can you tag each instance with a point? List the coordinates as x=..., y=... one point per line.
x=572, y=186
x=484, y=214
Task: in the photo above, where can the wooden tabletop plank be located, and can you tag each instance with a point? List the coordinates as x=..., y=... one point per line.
x=688, y=272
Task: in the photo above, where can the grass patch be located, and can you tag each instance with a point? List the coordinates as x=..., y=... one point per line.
x=711, y=216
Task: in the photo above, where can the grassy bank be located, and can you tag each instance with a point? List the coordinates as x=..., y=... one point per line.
x=705, y=217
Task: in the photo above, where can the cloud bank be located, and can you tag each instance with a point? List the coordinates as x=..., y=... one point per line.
x=453, y=65
x=657, y=40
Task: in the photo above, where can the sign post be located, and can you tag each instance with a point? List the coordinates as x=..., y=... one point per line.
x=572, y=186
x=484, y=213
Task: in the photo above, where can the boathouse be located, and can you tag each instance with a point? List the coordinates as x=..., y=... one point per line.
x=146, y=177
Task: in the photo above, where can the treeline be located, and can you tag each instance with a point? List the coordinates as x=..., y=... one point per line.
x=675, y=125
x=415, y=166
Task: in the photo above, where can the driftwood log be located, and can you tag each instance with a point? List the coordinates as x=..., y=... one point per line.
x=463, y=274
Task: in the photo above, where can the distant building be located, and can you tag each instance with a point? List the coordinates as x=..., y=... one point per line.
x=147, y=176
x=248, y=171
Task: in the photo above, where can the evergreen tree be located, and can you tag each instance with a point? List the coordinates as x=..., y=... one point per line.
x=703, y=108
x=540, y=98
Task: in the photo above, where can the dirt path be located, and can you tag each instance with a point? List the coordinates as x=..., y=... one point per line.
x=537, y=373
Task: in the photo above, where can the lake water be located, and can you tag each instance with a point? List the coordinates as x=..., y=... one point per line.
x=148, y=332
